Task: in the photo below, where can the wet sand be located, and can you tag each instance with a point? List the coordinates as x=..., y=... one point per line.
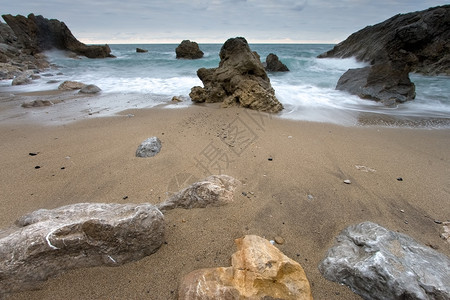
x=293, y=186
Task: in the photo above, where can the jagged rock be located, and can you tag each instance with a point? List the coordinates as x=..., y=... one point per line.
x=240, y=79
x=45, y=243
x=38, y=34
x=188, y=50
x=381, y=82
x=424, y=35
x=258, y=271
x=215, y=190
x=22, y=79
x=273, y=64
x=90, y=89
x=37, y=103
x=148, y=148
x=140, y=50
x=70, y=85
x=377, y=263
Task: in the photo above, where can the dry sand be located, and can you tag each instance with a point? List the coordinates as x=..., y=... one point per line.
x=299, y=194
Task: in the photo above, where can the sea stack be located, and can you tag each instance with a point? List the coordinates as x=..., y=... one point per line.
x=188, y=50
x=239, y=80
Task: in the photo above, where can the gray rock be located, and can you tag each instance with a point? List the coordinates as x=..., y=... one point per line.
x=149, y=148
x=215, y=190
x=377, y=263
x=240, y=80
x=90, y=89
x=273, y=64
x=70, y=85
x=22, y=79
x=45, y=243
x=188, y=50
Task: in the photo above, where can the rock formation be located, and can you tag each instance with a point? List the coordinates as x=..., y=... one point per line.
x=90, y=89
x=140, y=50
x=70, y=85
x=240, y=79
x=258, y=271
x=188, y=50
x=215, y=190
x=149, y=148
x=48, y=242
x=423, y=35
x=377, y=263
x=273, y=64
x=38, y=34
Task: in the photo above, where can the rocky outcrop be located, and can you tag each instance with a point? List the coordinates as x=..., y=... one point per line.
x=188, y=50
x=38, y=34
x=149, y=148
x=47, y=242
x=383, y=82
x=273, y=64
x=377, y=263
x=90, y=89
x=140, y=50
x=423, y=35
x=240, y=79
x=70, y=85
x=215, y=190
x=258, y=271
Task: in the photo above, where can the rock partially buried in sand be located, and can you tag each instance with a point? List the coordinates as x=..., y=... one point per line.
x=70, y=85
x=240, y=79
x=45, y=243
x=215, y=190
x=90, y=89
x=37, y=103
x=149, y=148
x=258, y=271
x=377, y=263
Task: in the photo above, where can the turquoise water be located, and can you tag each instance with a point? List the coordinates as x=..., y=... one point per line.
x=307, y=91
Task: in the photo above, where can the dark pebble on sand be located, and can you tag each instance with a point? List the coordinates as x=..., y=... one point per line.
x=125, y=197
x=33, y=153
x=437, y=222
x=37, y=167
x=62, y=168
x=244, y=194
x=270, y=158
x=399, y=179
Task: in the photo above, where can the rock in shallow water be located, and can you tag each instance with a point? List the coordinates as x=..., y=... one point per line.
x=258, y=271
x=377, y=263
x=48, y=242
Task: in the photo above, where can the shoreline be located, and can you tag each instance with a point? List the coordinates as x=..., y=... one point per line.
x=298, y=194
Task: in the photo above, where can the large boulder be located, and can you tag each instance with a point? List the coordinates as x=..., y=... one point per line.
x=38, y=34
x=188, y=50
x=382, y=82
x=215, y=190
x=425, y=35
x=48, y=242
x=377, y=263
x=273, y=64
x=258, y=271
x=240, y=79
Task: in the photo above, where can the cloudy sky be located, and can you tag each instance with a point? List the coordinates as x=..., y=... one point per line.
x=259, y=21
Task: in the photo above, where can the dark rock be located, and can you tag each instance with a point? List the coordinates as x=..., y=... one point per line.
x=377, y=263
x=38, y=34
x=140, y=50
x=240, y=79
x=148, y=148
x=215, y=190
x=424, y=36
x=188, y=50
x=90, y=89
x=48, y=242
x=383, y=82
x=273, y=64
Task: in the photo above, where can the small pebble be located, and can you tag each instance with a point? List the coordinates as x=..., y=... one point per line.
x=347, y=181
x=272, y=242
x=402, y=211
x=437, y=222
x=33, y=153
x=37, y=167
x=399, y=179
x=406, y=222
x=270, y=158
x=279, y=240
x=125, y=197
x=244, y=194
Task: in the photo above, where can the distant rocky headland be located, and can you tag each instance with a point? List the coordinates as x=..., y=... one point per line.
x=414, y=42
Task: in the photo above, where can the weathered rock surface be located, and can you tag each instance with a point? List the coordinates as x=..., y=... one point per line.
x=70, y=85
x=424, y=35
x=140, y=50
x=37, y=103
x=149, y=148
x=381, y=82
x=47, y=242
x=273, y=64
x=215, y=190
x=377, y=263
x=188, y=50
x=258, y=271
x=90, y=89
x=38, y=34
x=240, y=79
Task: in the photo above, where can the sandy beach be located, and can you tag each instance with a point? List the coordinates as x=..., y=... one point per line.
x=292, y=176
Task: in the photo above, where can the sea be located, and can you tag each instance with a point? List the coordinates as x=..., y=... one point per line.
x=143, y=80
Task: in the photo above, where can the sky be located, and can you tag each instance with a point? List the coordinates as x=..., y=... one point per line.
x=214, y=21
